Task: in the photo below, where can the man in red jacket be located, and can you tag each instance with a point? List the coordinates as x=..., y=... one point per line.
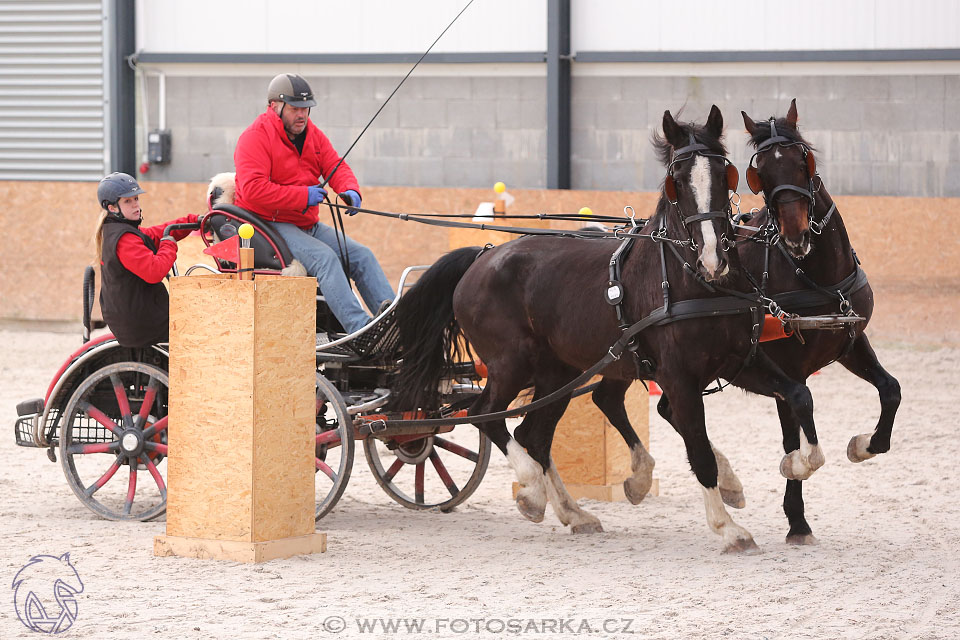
x=280, y=159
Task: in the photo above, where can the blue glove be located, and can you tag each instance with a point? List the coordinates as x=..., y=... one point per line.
x=315, y=195
x=352, y=199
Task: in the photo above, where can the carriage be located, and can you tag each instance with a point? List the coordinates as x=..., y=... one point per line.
x=106, y=407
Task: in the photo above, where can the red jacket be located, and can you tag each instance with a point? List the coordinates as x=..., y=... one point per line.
x=272, y=178
x=137, y=257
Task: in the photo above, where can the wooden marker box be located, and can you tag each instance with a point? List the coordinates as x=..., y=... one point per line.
x=240, y=471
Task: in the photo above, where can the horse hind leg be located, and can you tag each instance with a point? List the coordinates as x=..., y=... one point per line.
x=862, y=362
x=731, y=489
x=609, y=398
x=536, y=433
x=532, y=495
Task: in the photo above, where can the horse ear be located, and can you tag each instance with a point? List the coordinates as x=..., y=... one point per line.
x=811, y=164
x=715, y=122
x=753, y=179
x=670, y=188
x=792, y=113
x=672, y=131
x=733, y=177
x=749, y=123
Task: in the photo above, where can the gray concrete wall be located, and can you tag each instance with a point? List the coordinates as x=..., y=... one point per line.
x=875, y=135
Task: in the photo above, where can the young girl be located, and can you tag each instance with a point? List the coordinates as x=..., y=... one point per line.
x=133, y=263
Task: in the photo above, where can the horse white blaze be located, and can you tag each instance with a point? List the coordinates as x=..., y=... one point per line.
x=700, y=183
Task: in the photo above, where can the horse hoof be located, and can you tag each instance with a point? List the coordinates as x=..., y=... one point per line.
x=733, y=499
x=816, y=458
x=636, y=489
x=792, y=467
x=742, y=545
x=587, y=527
x=857, y=449
x=529, y=510
x=802, y=539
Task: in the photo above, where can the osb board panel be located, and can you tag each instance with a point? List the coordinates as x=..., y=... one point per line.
x=900, y=260
x=587, y=449
x=203, y=549
x=284, y=407
x=210, y=467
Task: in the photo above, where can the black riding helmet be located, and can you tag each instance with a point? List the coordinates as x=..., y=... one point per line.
x=291, y=89
x=115, y=186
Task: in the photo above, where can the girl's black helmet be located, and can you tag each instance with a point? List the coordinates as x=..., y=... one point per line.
x=115, y=186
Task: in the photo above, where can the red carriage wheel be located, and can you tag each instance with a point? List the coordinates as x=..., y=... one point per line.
x=430, y=472
x=334, y=447
x=113, y=441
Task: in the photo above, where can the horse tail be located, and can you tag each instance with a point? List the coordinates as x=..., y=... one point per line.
x=429, y=335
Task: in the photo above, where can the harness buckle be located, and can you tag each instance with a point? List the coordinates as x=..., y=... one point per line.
x=846, y=307
x=816, y=227
x=615, y=356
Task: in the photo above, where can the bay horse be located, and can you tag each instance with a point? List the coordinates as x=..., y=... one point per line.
x=801, y=253
x=537, y=311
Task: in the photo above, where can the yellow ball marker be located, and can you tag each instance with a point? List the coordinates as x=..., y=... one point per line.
x=499, y=187
x=585, y=211
x=246, y=252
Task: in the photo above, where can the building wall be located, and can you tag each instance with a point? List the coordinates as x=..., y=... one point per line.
x=471, y=125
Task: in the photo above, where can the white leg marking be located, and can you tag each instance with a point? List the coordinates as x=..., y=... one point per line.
x=532, y=496
x=735, y=538
x=801, y=463
x=566, y=508
x=637, y=486
x=700, y=183
x=731, y=489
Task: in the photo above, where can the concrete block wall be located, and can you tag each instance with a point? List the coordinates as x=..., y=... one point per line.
x=875, y=135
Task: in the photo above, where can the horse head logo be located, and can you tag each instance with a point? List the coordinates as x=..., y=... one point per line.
x=44, y=593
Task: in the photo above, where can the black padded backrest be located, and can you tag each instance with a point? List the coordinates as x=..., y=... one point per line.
x=265, y=256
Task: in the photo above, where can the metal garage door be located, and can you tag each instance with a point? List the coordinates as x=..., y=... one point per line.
x=52, y=108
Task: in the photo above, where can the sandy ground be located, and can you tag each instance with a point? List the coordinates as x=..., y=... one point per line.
x=887, y=565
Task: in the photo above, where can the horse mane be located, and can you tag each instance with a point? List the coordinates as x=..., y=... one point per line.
x=784, y=128
x=664, y=149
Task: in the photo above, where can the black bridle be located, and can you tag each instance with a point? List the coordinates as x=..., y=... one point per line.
x=682, y=154
x=769, y=197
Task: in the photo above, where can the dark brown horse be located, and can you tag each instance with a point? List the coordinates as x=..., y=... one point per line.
x=534, y=310
x=801, y=228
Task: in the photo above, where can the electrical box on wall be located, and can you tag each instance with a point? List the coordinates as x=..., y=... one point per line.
x=158, y=146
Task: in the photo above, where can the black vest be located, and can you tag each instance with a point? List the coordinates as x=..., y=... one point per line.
x=136, y=311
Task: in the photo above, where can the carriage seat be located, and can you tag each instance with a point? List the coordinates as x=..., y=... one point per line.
x=270, y=251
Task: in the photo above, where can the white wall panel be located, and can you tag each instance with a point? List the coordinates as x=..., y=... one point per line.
x=324, y=26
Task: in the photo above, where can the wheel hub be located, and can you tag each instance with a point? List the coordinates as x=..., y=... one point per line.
x=415, y=451
x=131, y=442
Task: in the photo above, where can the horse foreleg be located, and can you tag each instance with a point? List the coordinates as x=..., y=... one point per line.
x=731, y=489
x=862, y=362
x=532, y=495
x=688, y=420
x=793, y=507
x=763, y=376
x=609, y=398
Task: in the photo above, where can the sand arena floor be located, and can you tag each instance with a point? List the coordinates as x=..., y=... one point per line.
x=887, y=565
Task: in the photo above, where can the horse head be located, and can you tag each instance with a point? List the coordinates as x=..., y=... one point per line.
x=696, y=190
x=783, y=168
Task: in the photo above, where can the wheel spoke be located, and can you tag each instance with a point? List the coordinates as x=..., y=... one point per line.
x=463, y=452
x=323, y=466
x=418, y=484
x=392, y=471
x=122, y=401
x=152, y=468
x=156, y=446
x=155, y=428
x=131, y=488
x=100, y=447
x=328, y=437
x=444, y=474
x=92, y=489
x=100, y=417
x=147, y=403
